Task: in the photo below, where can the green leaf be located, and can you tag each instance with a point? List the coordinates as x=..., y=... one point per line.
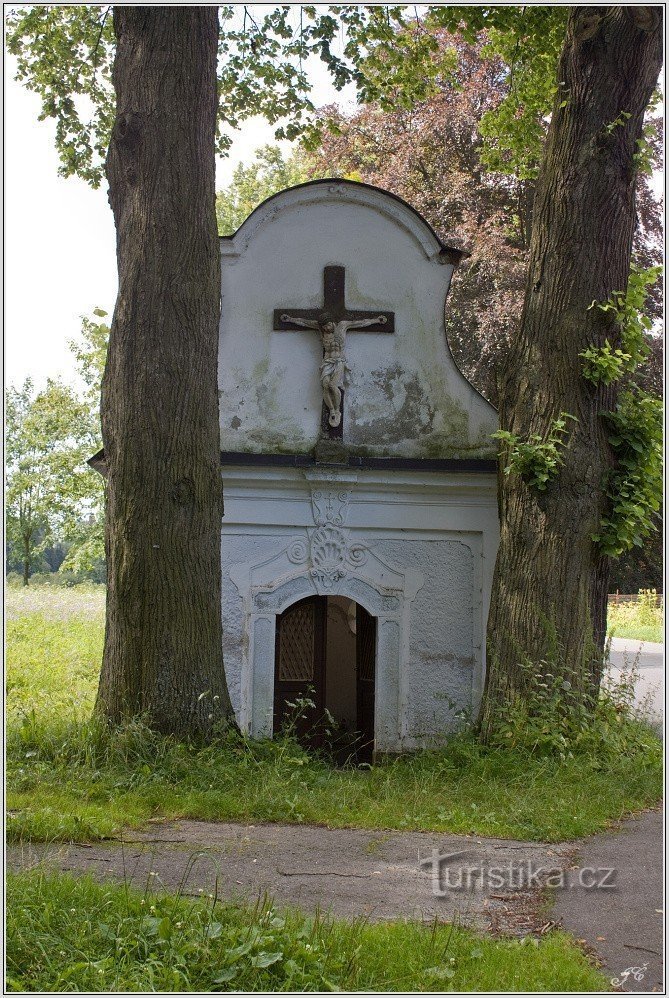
x=262, y=960
x=224, y=976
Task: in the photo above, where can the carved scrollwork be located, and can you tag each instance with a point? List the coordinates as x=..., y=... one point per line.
x=330, y=506
x=298, y=551
x=357, y=555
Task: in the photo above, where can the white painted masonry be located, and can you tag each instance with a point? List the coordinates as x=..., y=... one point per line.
x=418, y=551
x=406, y=396
x=406, y=524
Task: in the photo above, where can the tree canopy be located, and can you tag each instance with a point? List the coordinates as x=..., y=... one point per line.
x=48, y=439
x=391, y=54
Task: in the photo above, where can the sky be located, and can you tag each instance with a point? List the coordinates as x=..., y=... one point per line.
x=60, y=253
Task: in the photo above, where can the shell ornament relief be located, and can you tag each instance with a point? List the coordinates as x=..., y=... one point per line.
x=328, y=556
x=328, y=552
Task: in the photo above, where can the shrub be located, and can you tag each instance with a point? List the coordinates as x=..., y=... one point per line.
x=553, y=718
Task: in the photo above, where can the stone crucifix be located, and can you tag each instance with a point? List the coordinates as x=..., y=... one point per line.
x=333, y=321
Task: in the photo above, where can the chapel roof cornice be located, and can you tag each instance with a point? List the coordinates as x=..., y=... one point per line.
x=347, y=190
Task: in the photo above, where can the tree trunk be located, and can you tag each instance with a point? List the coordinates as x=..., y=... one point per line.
x=163, y=649
x=549, y=588
x=26, y=559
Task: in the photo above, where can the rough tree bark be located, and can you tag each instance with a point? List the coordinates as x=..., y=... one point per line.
x=549, y=576
x=163, y=651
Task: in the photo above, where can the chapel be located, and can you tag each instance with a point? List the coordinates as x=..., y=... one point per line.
x=360, y=526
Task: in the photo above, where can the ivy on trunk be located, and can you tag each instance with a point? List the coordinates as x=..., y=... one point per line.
x=548, y=603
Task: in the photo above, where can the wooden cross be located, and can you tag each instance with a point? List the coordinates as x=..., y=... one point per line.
x=334, y=302
x=334, y=309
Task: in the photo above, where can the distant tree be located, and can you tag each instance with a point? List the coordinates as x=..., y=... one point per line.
x=86, y=535
x=268, y=173
x=90, y=354
x=47, y=441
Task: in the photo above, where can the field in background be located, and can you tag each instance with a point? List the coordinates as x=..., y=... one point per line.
x=639, y=617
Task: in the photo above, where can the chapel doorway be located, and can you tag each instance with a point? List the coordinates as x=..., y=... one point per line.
x=325, y=654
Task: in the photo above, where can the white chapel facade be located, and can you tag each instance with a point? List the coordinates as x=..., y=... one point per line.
x=360, y=526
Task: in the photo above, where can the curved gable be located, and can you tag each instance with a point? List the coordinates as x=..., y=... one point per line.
x=405, y=397
x=352, y=192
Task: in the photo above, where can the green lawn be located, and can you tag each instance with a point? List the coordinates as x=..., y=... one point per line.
x=642, y=620
x=69, y=778
x=67, y=934
x=638, y=632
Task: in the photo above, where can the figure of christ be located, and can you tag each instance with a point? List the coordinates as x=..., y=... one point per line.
x=334, y=368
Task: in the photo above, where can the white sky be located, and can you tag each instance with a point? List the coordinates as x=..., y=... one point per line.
x=60, y=253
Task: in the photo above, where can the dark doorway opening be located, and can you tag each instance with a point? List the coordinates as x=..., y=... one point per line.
x=325, y=661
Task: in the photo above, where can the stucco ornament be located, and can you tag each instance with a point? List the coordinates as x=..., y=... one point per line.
x=328, y=555
x=334, y=368
x=330, y=506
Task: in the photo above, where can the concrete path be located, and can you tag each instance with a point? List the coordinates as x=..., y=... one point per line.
x=649, y=659
x=607, y=889
x=620, y=918
x=349, y=872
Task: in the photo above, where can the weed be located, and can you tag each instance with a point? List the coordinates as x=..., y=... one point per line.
x=537, y=459
x=552, y=718
x=67, y=934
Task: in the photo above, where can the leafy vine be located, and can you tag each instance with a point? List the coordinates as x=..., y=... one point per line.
x=605, y=364
x=634, y=486
x=538, y=458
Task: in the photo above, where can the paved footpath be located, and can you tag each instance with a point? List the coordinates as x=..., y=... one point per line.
x=623, y=923
x=489, y=884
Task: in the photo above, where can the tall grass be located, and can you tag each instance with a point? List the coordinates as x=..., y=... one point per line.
x=70, y=777
x=641, y=619
x=66, y=934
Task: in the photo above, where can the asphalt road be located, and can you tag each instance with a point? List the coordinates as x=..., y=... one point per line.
x=648, y=658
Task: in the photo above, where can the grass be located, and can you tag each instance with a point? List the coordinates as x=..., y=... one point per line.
x=70, y=778
x=67, y=934
x=638, y=632
x=641, y=620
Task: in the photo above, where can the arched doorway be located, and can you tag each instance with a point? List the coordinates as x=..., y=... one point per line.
x=325, y=654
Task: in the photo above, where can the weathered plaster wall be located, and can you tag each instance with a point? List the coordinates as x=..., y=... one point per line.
x=417, y=549
x=405, y=396
x=443, y=644
x=237, y=548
